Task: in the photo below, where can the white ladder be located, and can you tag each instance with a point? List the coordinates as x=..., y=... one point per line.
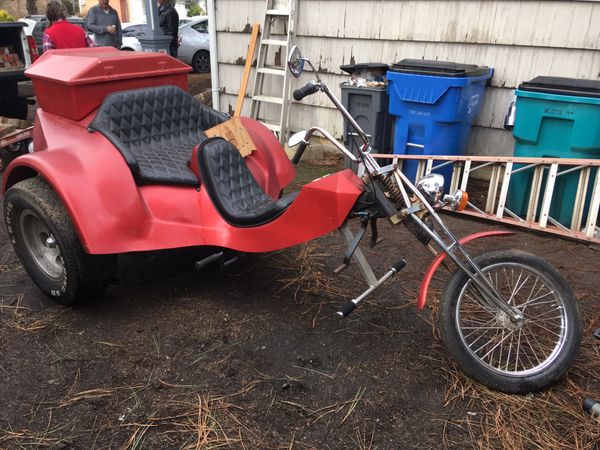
x=270, y=105
x=542, y=189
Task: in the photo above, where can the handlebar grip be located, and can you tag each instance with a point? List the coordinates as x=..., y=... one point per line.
x=305, y=91
x=299, y=151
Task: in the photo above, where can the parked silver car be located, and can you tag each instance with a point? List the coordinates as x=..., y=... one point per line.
x=194, y=47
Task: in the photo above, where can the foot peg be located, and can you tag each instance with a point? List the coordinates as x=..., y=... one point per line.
x=217, y=258
x=350, y=305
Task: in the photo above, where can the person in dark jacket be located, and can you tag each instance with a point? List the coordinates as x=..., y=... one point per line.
x=103, y=21
x=168, y=20
x=62, y=34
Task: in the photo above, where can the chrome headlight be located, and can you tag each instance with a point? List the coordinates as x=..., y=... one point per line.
x=432, y=187
x=457, y=200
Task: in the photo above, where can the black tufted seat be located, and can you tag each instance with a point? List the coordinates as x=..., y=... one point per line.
x=232, y=187
x=156, y=129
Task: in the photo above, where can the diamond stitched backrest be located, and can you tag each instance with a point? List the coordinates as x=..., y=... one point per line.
x=156, y=129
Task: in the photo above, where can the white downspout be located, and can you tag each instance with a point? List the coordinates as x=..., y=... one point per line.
x=214, y=63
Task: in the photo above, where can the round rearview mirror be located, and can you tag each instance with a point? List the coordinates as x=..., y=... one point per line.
x=295, y=62
x=296, y=138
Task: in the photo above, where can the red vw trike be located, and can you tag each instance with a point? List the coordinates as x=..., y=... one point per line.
x=122, y=162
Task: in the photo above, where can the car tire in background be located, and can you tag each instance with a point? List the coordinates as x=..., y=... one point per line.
x=201, y=61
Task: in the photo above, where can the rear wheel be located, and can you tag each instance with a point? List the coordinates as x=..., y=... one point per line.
x=49, y=249
x=201, y=61
x=507, y=356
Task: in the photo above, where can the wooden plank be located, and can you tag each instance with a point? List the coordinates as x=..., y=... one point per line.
x=504, y=190
x=567, y=24
x=534, y=195
x=16, y=136
x=580, y=197
x=455, y=177
x=428, y=167
x=249, y=57
x=590, y=229
x=531, y=225
x=465, y=176
x=498, y=159
x=548, y=194
x=492, y=189
x=512, y=64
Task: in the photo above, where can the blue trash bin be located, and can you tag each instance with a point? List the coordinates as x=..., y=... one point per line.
x=434, y=104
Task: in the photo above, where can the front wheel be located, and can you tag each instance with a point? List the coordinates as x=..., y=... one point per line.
x=488, y=346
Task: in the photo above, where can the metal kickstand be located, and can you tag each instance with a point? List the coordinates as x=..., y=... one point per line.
x=364, y=267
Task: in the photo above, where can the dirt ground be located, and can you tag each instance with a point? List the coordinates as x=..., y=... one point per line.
x=254, y=358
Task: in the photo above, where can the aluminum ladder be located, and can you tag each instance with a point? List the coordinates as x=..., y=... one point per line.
x=495, y=180
x=271, y=93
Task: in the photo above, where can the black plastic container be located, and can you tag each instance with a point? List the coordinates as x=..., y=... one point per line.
x=369, y=107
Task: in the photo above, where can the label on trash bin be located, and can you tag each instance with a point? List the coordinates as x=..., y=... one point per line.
x=416, y=112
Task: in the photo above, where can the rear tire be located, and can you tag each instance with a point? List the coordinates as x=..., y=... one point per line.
x=201, y=61
x=498, y=353
x=48, y=246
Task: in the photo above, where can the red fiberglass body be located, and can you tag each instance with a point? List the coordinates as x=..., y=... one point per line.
x=113, y=214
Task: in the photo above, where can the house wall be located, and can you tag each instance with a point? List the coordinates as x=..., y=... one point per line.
x=519, y=39
x=121, y=6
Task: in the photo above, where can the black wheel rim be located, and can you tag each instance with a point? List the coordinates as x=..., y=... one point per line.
x=202, y=62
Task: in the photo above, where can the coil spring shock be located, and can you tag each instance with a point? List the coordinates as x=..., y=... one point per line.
x=391, y=188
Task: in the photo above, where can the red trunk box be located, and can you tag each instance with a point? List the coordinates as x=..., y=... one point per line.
x=72, y=83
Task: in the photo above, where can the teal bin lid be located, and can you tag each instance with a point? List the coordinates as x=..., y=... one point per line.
x=557, y=98
x=563, y=86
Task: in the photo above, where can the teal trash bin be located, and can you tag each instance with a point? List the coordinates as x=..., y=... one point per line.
x=555, y=118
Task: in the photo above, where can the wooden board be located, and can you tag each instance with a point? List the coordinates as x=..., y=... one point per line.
x=235, y=132
x=247, y=67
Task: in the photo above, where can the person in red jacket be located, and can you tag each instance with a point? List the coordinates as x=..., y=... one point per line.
x=62, y=34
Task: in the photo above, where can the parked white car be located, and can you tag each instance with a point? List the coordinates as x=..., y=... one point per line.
x=194, y=48
x=131, y=32
x=193, y=37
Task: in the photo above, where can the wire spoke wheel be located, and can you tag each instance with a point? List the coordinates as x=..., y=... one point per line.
x=506, y=355
x=506, y=347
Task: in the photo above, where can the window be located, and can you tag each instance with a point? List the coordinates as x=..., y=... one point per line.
x=201, y=27
x=130, y=31
x=135, y=30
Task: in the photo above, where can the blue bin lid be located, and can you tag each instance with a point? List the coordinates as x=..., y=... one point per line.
x=563, y=86
x=439, y=68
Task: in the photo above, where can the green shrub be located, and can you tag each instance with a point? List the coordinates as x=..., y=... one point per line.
x=195, y=10
x=6, y=17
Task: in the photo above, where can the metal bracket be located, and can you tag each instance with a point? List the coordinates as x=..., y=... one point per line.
x=359, y=256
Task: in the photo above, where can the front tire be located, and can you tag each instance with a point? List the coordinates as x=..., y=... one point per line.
x=201, y=61
x=48, y=246
x=513, y=358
